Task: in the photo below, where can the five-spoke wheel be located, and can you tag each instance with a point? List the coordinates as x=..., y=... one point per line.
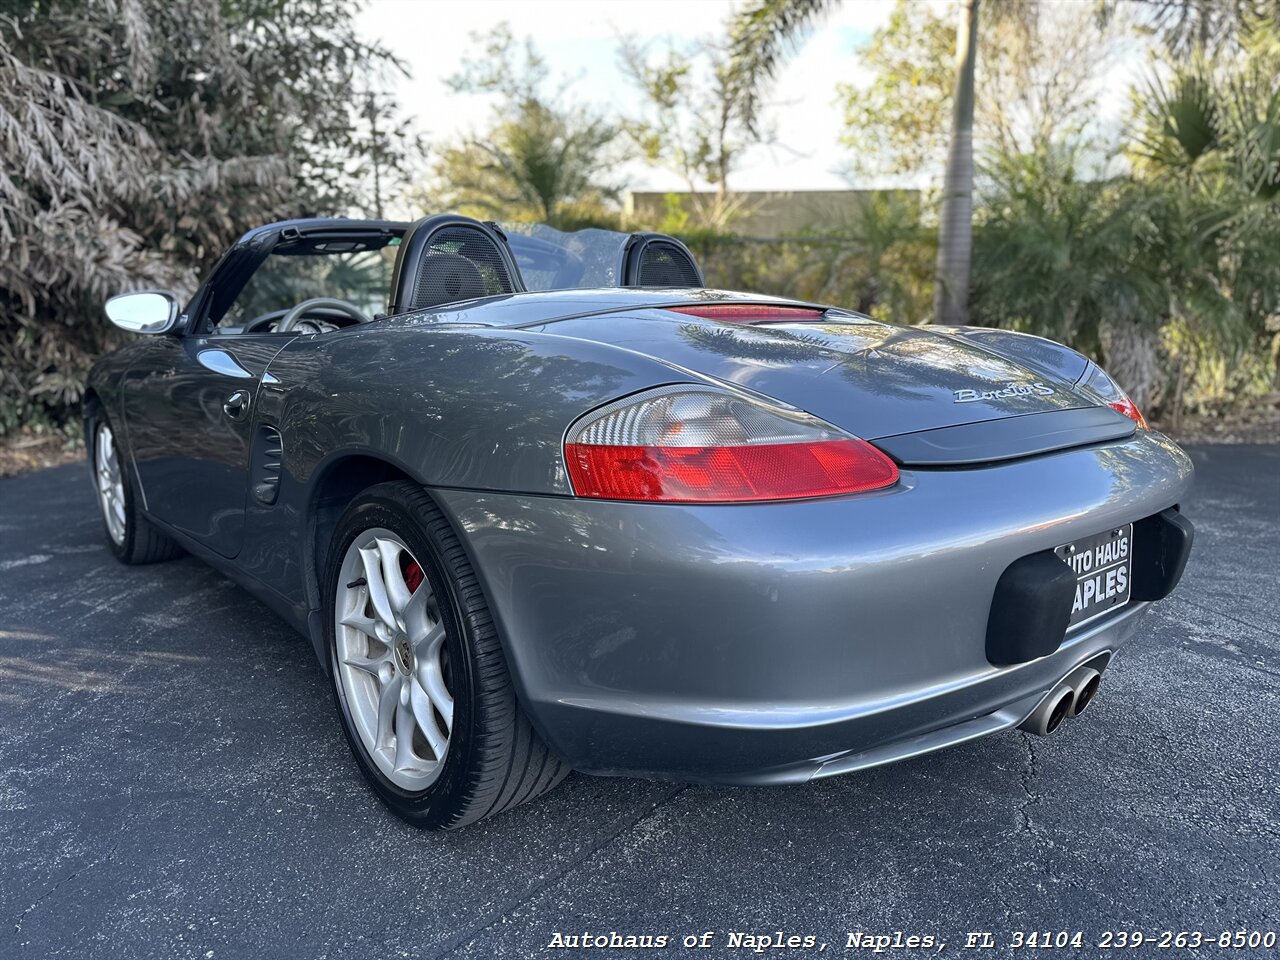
x=419, y=674
x=110, y=484
x=392, y=660
x=131, y=536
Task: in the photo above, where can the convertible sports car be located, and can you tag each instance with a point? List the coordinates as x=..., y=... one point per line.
x=542, y=501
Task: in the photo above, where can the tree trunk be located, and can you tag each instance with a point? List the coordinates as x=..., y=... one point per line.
x=1129, y=353
x=955, y=228
x=375, y=152
x=1177, y=393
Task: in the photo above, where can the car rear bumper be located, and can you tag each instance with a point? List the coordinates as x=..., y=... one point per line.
x=771, y=643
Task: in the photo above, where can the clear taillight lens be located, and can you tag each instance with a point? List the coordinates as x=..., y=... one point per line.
x=1099, y=385
x=689, y=444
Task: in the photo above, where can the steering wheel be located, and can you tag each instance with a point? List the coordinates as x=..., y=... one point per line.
x=290, y=319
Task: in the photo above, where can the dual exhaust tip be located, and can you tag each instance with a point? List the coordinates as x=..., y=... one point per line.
x=1068, y=699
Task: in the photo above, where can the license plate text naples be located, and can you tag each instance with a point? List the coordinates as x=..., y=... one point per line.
x=1101, y=564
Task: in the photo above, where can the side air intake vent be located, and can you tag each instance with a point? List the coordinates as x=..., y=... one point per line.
x=654, y=260
x=449, y=259
x=268, y=453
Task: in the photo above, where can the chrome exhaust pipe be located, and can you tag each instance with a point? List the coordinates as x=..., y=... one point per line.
x=1084, y=683
x=1050, y=712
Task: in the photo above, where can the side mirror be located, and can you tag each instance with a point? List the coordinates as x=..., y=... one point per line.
x=146, y=311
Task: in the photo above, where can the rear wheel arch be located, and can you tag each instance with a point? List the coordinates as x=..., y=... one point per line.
x=338, y=483
x=500, y=760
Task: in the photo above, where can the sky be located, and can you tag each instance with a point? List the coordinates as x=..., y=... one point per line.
x=579, y=39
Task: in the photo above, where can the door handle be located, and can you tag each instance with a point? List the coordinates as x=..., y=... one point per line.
x=236, y=406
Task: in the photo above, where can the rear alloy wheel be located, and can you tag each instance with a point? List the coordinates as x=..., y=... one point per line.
x=419, y=675
x=392, y=662
x=131, y=536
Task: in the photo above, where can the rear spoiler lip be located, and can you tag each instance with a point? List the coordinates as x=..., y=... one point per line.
x=1007, y=438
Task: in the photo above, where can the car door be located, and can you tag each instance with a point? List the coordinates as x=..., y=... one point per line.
x=188, y=408
x=189, y=413
x=190, y=399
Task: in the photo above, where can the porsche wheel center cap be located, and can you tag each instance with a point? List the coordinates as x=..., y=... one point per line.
x=404, y=655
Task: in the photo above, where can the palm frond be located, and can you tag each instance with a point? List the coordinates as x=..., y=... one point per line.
x=760, y=35
x=1180, y=119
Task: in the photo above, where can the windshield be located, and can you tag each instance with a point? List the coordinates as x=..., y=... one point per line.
x=551, y=259
x=293, y=273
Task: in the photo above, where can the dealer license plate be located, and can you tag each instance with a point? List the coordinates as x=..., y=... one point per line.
x=1103, y=564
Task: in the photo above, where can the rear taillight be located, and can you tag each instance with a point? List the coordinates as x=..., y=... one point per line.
x=1101, y=387
x=690, y=444
x=749, y=312
x=1127, y=407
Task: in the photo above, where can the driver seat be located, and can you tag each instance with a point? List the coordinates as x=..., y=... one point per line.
x=449, y=259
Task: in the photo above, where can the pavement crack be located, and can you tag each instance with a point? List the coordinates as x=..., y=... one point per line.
x=450, y=946
x=1226, y=616
x=1030, y=772
x=17, y=926
x=1245, y=664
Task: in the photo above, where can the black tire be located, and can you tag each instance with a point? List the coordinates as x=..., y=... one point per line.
x=141, y=541
x=495, y=759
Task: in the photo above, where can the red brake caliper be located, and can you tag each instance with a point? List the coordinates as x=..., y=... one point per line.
x=413, y=576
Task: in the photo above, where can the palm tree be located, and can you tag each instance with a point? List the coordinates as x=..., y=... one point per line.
x=541, y=161
x=764, y=30
x=540, y=157
x=1208, y=130
x=955, y=227
x=759, y=36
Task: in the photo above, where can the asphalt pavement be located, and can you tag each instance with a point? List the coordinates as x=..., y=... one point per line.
x=174, y=784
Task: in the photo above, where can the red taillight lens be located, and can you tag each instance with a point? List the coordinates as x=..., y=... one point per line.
x=778, y=471
x=695, y=444
x=1099, y=385
x=748, y=312
x=1130, y=410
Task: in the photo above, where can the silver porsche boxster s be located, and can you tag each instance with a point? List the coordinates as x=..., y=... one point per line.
x=542, y=501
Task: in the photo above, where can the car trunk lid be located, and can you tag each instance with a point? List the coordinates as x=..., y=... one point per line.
x=873, y=379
